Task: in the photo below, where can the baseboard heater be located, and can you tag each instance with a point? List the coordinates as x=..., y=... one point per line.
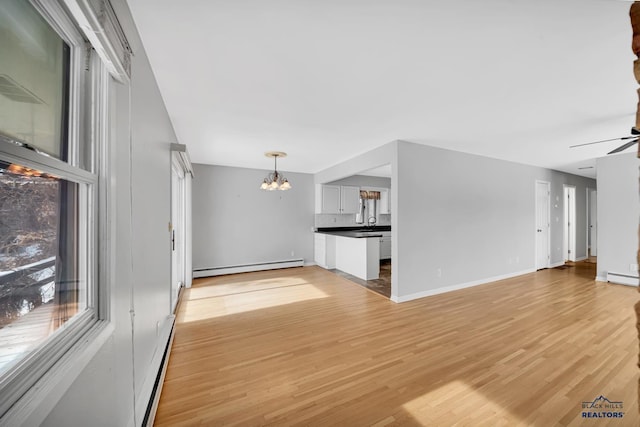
x=245, y=268
x=622, y=279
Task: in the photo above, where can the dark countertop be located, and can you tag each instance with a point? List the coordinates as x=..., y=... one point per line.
x=355, y=232
x=357, y=228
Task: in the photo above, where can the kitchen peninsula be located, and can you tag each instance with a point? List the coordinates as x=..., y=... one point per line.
x=353, y=250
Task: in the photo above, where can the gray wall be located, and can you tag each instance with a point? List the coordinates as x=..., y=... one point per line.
x=380, y=156
x=235, y=222
x=618, y=212
x=464, y=218
x=103, y=393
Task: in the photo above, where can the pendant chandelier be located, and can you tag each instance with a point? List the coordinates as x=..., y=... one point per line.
x=275, y=180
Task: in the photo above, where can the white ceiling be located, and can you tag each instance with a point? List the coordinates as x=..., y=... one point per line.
x=326, y=80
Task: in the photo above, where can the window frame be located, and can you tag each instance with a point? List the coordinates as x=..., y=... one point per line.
x=61, y=357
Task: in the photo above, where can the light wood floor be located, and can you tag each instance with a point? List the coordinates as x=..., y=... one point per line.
x=304, y=346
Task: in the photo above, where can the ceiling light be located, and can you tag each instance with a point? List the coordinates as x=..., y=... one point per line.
x=275, y=180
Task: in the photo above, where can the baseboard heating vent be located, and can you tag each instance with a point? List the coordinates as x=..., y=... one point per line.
x=622, y=279
x=245, y=268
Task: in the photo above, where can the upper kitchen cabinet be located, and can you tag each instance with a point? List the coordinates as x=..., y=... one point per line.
x=385, y=201
x=337, y=199
x=349, y=199
x=329, y=199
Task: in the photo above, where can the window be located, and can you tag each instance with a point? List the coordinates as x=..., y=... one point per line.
x=48, y=193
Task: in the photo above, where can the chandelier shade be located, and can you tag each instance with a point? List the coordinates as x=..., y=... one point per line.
x=275, y=180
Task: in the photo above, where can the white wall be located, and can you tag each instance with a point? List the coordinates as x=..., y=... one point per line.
x=235, y=222
x=618, y=213
x=103, y=393
x=364, y=181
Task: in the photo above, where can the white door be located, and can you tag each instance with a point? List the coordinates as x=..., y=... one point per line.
x=569, y=223
x=542, y=224
x=177, y=232
x=593, y=222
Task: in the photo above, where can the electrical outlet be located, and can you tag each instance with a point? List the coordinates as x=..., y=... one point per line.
x=158, y=328
x=633, y=268
x=439, y=272
x=293, y=253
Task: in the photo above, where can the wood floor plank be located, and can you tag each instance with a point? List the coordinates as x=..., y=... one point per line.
x=304, y=346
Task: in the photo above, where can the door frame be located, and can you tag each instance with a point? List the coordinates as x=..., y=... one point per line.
x=180, y=219
x=548, y=229
x=568, y=226
x=177, y=230
x=590, y=193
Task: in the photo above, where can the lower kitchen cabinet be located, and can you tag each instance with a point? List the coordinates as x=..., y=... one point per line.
x=385, y=247
x=325, y=250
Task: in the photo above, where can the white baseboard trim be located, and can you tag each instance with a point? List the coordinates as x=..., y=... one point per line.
x=582, y=258
x=247, y=268
x=622, y=279
x=309, y=264
x=163, y=372
x=445, y=289
x=601, y=279
x=143, y=399
x=556, y=264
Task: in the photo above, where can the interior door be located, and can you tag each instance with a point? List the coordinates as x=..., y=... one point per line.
x=542, y=224
x=177, y=232
x=593, y=222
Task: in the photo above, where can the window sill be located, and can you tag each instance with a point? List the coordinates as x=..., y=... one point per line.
x=33, y=408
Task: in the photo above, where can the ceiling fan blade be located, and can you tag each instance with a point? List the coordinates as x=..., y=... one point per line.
x=624, y=138
x=623, y=146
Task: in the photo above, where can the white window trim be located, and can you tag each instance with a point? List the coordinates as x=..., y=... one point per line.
x=36, y=403
x=34, y=406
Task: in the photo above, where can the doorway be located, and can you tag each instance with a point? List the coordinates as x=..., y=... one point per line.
x=569, y=232
x=543, y=194
x=592, y=222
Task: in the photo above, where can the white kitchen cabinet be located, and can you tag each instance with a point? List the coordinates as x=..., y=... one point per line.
x=385, y=247
x=330, y=195
x=325, y=250
x=336, y=199
x=349, y=199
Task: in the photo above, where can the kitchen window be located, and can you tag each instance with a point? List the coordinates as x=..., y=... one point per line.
x=48, y=192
